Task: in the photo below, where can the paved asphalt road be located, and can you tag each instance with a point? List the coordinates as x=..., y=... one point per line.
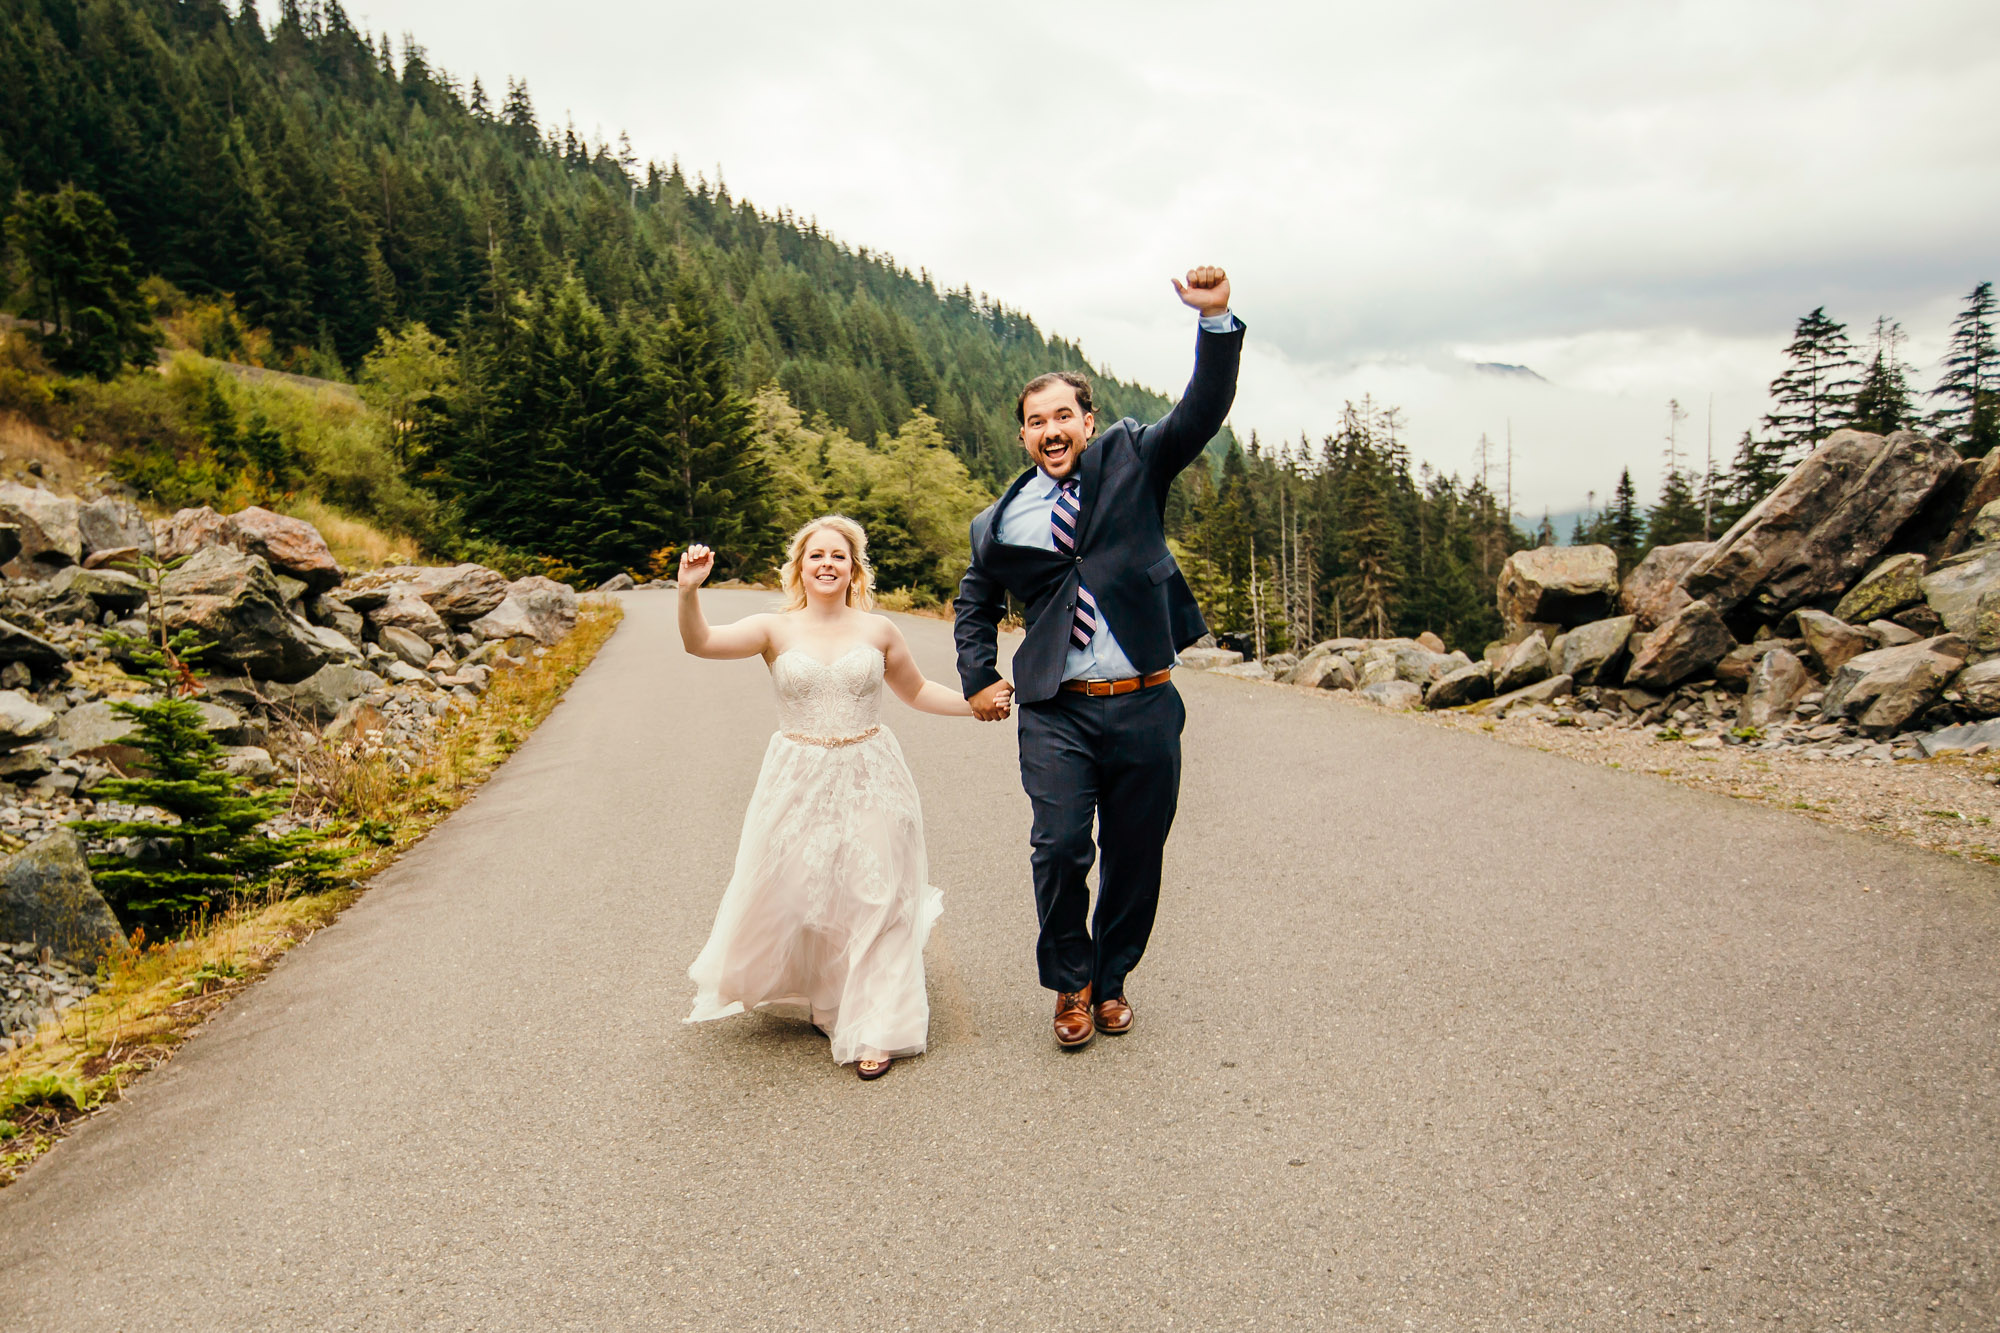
x=1435, y=1033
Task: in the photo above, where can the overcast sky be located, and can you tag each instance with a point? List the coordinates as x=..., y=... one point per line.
x=1636, y=202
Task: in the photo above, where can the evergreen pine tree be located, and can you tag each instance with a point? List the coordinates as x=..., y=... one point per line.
x=1677, y=517
x=1754, y=473
x=714, y=475
x=1815, y=393
x=1969, y=420
x=81, y=282
x=1625, y=528
x=1882, y=402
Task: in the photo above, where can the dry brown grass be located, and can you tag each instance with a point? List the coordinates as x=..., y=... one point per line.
x=66, y=464
x=152, y=997
x=356, y=543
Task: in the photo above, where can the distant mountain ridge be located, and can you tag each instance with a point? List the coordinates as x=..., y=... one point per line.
x=1505, y=370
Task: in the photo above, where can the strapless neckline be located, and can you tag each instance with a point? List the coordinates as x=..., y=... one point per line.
x=857, y=648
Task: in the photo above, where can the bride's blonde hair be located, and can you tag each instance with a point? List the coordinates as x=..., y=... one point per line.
x=860, y=591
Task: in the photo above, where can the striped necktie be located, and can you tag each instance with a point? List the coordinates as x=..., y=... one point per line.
x=1062, y=523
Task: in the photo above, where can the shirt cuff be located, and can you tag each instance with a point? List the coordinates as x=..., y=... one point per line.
x=1222, y=323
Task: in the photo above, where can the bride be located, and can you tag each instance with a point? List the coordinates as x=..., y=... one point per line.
x=830, y=904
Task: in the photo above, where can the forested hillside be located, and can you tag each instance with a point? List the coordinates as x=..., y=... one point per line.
x=336, y=188
x=565, y=343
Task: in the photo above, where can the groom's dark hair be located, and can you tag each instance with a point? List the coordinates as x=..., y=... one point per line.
x=1040, y=382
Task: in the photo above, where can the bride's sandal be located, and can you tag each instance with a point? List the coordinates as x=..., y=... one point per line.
x=872, y=1068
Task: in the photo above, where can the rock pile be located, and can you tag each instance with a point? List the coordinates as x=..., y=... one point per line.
x=35, y=986
x=303, y=656
x=1854, y=612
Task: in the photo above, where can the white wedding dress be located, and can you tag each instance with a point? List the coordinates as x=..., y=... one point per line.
x=826, y=915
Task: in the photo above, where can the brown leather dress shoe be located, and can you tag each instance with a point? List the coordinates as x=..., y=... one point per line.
x=1114, y=1016
x=1073, y=1025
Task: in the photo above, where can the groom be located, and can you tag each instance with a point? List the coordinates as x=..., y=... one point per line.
x=1080, y=540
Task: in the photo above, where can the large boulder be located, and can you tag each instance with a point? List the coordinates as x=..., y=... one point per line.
x=47, y=897
x=105, y=589
x=109, y=524
x=34, y=652
x=1464, y=686
x=1541, y=692
x=1811, y=538
x=1687, y=644
x=232, y=600
x=460, y=593
x=1194, y=659
x=1986, y=526
x=1978, y=688
x=289, y=545
x=47, y=524
x=326, y=691
x=1733, y=671
x=338, y=646
x=1965, y=593
x=1395, y=695
x=1652, y=592
x=406, y=644
x=1947, y=524
x=1327, y=671
x=90, y=725
x=1832, y=641
x=1591, y=654
x=1894, y=585
x=1961, y=737
x=188, y=531
x=1884, y=689
x=407, y=611
x=1524, y=664
x=22, y=720
x=1561, y=585
x=1777, y=682
x=538, y=607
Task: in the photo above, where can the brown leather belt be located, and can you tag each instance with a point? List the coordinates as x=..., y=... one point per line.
x=1098, y=688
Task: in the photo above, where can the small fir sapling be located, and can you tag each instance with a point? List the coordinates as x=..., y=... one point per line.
x=212, y=849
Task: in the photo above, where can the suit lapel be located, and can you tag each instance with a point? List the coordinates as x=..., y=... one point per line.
x=1000, y=510
x=1090, y=472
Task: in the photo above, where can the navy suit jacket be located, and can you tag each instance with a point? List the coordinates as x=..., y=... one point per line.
x=1121, y=550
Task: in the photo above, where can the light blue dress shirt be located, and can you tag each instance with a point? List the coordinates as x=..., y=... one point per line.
x=1026, y=522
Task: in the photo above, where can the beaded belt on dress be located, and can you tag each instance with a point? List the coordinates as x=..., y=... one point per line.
x=830, y=742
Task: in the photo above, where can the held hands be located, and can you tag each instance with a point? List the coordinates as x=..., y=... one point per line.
x=993, y=703
x=697, y=563
x=1206, y=289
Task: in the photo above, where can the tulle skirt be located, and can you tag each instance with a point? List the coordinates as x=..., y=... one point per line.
x=830, y=905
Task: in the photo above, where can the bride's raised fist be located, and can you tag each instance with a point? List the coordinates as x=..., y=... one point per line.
x=697, y=563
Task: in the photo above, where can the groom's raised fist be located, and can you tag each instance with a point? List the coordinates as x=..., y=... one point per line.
x=1206, y=289
x=697, y=562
